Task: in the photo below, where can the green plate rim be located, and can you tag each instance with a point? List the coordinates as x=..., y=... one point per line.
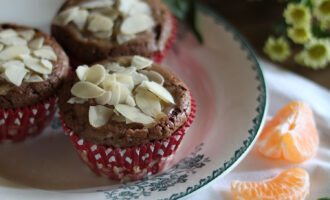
x=261, y=109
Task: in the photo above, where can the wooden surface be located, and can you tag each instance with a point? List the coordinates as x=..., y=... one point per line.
x=255, y=20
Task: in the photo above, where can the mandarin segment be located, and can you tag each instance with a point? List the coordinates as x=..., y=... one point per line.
x=292, y=184
x=291, y=135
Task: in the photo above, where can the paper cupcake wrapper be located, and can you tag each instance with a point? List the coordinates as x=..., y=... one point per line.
x=129, y=164
x=159, y=57
x=18, y=124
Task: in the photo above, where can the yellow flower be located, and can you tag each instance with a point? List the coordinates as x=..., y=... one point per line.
x=325, y=25
x=321, y=10
x=297, y=14
x=315, y=55
x=277, y=49
x=299, y=34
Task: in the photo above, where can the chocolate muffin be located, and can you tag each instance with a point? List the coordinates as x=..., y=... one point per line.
x=32, y=69
x=122, y=104
x=91, y=31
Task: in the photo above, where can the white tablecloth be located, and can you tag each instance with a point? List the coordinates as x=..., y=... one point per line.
x=284, y=87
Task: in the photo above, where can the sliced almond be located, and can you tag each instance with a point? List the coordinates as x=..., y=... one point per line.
x=47, y=64
x=138, y=78
x=130, y=101
x=95, y=74
x=115, y=67
x=97, y=4
x=103, y=34
x=33, y=78
x=124, y=92
x=141, y=62
x=76, y=100
x=8, y=33
x=121, y=39
x=140, y=7
x=148, y=103
x=86, y=90
x=1, y=47
x=136, y=24
x=99, y=23
x=80, y=71
x=133, y=114
x=27, y=35
x=36, y=43
x=15, y=74
x=109, y=81
x=115, y=94
x=99, y=115
x=126, y=80
x=13, y=52
x=13, y=63
x=46, y=52
x=108, y=11
x=66, y=16
x=104, y=99
x=154, y=76
x=159, y=91
x=128, y=70
x=35, y=65
x=80, y=19
x=125, y=6
x=13, y=41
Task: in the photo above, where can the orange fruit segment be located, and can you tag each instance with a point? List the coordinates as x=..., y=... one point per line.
x=291, y=135
x=292, y=184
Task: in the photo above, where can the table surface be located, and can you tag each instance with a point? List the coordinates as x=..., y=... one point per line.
x=255, y=20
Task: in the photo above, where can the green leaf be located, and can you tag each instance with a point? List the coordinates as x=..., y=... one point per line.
x=307, y=3
x=319, y=33
x=280, y=27
x=324, y=198
x=186, y=10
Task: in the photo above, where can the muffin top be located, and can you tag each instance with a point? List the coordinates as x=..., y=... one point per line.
x=124, y=102
x=115, y=27
x=32, y=65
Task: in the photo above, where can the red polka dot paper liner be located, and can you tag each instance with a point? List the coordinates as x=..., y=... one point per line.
x=128, y=164
x=159, y=57
x=19, y=124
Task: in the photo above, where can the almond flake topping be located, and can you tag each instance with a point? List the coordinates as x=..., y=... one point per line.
x=99, y=115
x=27, y=35
x=136, y=24
x=102, y=18
x=80, y=19
x=36, y=43
x=8, y=33
x=86, y=90
x=97, y=4
x=130, y=95
x=99, y=23
x=24, y=58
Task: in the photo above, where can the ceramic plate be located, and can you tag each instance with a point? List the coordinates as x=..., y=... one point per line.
x=226, y=81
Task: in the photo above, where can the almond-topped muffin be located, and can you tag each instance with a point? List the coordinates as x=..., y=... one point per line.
x=32, y=69
x=93, y=30
x=126, y=103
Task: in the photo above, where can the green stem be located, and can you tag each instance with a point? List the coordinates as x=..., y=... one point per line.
x=186, y=10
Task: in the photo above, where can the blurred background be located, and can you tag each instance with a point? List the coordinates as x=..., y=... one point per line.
x=256, y=20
